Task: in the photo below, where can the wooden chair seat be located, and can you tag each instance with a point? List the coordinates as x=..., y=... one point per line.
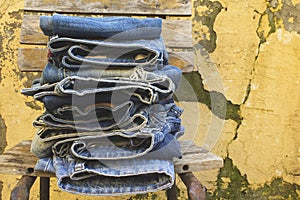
x=18, y=160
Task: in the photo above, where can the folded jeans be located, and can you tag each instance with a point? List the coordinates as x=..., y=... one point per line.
x=104, y=27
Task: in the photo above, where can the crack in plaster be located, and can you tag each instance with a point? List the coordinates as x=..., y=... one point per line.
x=263, y=38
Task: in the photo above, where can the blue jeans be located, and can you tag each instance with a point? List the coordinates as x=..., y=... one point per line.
x=97, y=178
x=104, y=54
x=101, y=123
x=52, y=73
x=163, y=128
x=147, y=92
x=116, y=177
x=104, y=27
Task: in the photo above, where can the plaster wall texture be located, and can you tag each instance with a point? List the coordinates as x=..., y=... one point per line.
x=245, y=106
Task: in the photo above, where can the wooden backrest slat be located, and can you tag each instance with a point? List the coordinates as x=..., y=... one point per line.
x=141, y=7
x=177, y=34
x=174, y=32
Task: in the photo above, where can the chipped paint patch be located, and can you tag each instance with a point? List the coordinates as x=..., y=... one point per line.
x=231, y=184
x=3, y=128
x=1, y=187
x=279, y=14
x=192, y=90
x=204, y=18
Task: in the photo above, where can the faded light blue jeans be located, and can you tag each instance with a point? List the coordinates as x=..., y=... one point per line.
x=116, y=177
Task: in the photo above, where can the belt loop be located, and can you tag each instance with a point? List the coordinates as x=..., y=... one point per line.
x=79, y=166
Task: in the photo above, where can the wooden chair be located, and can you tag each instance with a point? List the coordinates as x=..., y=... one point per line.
x=33, y=55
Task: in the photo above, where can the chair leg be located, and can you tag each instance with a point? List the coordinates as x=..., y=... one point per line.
x=22, y=189
x=44, y=188
x=171, y=193
x=195, y=189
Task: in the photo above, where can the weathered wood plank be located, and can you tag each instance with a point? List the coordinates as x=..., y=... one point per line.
x=196, y=158
x=32, y=59
x=17, y=164
x=158, y=7
x=31, y=32
x=176, y=33
x=35, y=59
x=197, y=162
x=19, y=161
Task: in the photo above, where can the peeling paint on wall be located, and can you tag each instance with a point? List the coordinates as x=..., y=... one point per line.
x=1, y=187
x=278, y=14
x=7, y=37
x=205, y=14
x=3, y=144
x=291, y=16
x=1, y=50
x=231, y=184
x=195, y=82
x=2, y=135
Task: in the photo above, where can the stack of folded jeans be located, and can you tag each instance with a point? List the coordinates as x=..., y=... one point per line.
x=111, y=125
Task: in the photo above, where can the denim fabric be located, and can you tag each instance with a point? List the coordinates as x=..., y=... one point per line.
x=167, y=149
x=68, y=63
x=111, y=124
x=109, y=53
x=94, y=112
x=147, y=92
x=52, y=74
x=139, y=144
x=37, y=87
x=104, y=27
x=162, y=120
x=117, y=177
x=130, y=123
x=57, y=104
x=45, y=138
x=95, y=148
x=102, y=113
x=107, y=146
x=45, y=165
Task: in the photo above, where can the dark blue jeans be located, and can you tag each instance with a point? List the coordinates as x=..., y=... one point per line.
x=118, y=28
x=106, y=54
x=52, y=73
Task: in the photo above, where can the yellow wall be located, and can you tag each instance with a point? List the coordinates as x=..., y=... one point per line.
x=248, y=57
